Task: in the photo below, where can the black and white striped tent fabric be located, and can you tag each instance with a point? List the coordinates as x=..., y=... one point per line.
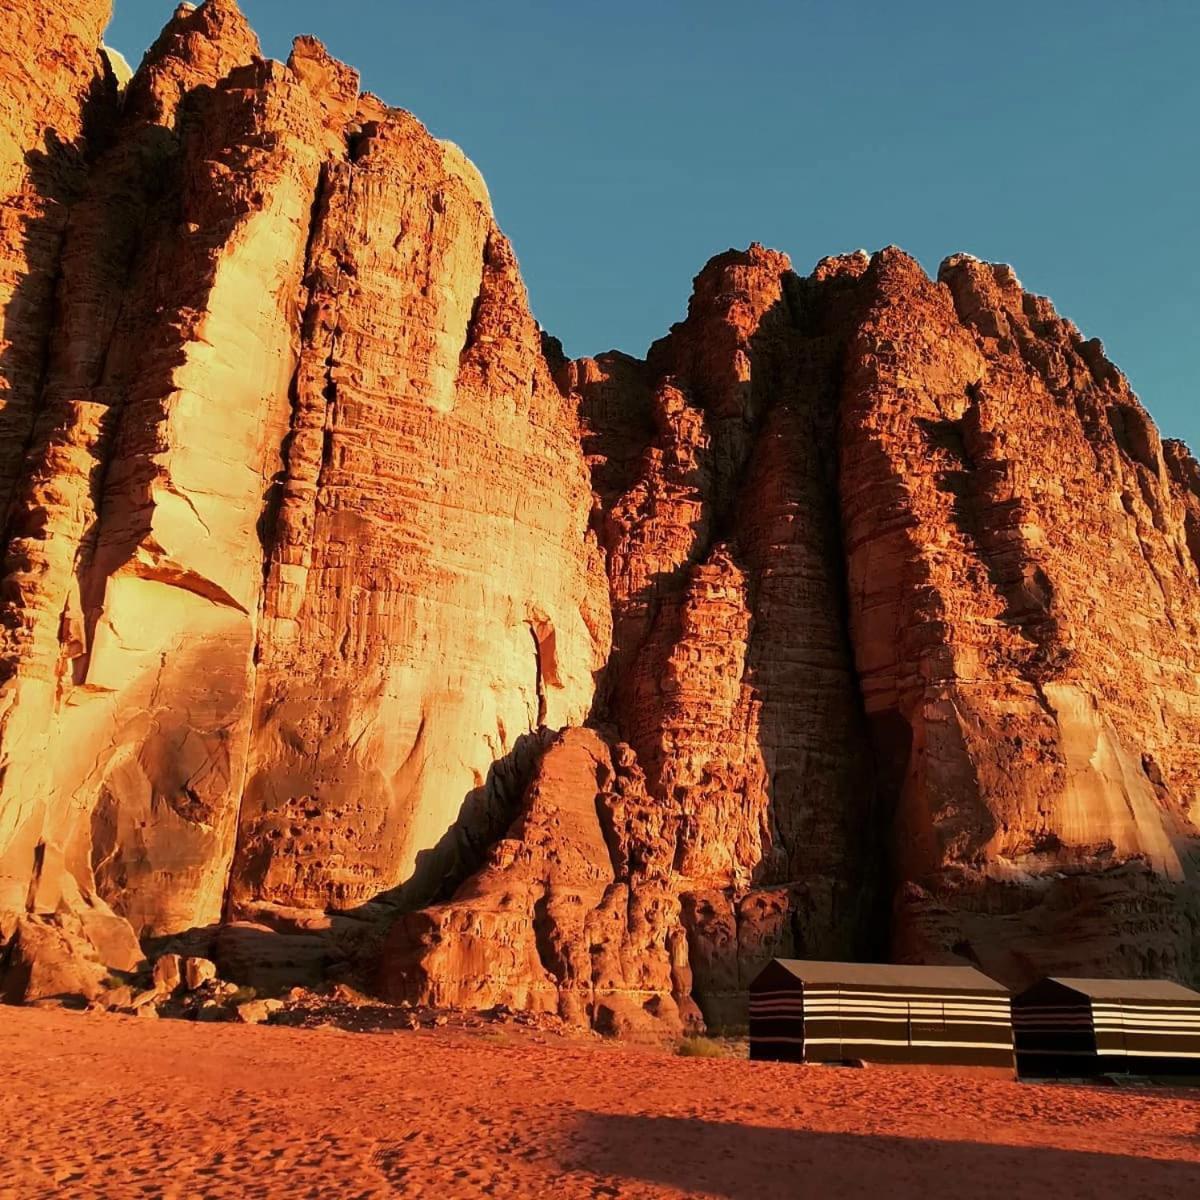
x=1097, y=1026
x=807, y=1011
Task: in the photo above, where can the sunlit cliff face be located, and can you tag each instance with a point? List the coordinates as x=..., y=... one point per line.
x=877, y=596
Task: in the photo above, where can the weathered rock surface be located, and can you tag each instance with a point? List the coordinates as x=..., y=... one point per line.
x=905, y=602
x=300, y=533
x=574, y=913
x=56, y=99
x=168, y=973
x=256, y=1012
x=433, y=595
x=197, y=972
x=732, y=674
x=1024, y=610
x=64, y=956
x=861, y=617
x=281, y=613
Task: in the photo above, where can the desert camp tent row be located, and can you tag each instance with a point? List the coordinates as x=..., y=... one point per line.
x=804, y=1011
x=1087, y=1026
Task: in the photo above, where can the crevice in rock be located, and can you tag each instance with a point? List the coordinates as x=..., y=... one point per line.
x=985, y=520
x=268, y=521
x=543, y=935
x=472, y=332
x=1134, y=435
x=539, y=678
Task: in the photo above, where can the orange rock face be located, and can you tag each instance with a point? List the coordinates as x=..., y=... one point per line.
x=732, y=674
x=58, y=98
x=575, y=912
x=300, y=548
x=1024, y=612
x=433, y=595
x=133, y=566
x=905, y=602
x=860, y=618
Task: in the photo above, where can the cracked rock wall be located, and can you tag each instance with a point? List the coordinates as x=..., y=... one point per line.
x=905, y=601
x=1024, y=611
x=433, y=594
x=860, y=618
x=732, y=674
x=574, y=913
x=298, y=546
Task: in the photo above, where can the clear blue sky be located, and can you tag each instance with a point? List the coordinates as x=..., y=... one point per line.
x=625, y=142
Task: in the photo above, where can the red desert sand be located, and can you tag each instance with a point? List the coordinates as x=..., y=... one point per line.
x=104, y=1106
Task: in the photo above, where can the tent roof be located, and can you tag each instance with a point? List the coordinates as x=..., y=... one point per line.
x=1129, y=989
x=962, y=979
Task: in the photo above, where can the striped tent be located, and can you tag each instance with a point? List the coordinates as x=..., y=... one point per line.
x=805, y=1011
x=1098, y=1026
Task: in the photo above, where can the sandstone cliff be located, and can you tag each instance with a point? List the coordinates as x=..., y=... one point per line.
x=859, y=619
x=732, y=674
x=299, y=548
x=905, y=599
x=576, y=911
x=1024, y=612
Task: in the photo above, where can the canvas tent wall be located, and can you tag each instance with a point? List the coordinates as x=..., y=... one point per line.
x=807, y=1011
x=1067, y=1026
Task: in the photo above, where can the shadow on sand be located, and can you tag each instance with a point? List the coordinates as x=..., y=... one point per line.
x=719, y=1158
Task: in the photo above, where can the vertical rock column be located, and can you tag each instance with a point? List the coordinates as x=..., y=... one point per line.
x=731, y=673
x=1023, y=609
x=434, y=597
x=134, y=595
x=57, y=103
x=573, y=913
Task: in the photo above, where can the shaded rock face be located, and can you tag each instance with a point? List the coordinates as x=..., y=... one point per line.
x=857, y=620
x=732, y=673
x=59, y=100
x=575, y=911
x=904, y=634
x=905, y=623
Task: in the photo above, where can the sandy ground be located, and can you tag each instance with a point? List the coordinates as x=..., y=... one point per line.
x=105, y=1106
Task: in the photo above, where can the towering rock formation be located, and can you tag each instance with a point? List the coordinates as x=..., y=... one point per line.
x=58, y=99
x=298, y=552
x=874, y=630
x=905, y=613
x=132, y=567
x=432, y=596
x=58, y=103
x=732, y=674
x=1024, y=604
x=905, y=601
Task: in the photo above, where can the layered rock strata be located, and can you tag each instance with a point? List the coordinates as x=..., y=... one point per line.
x=904, y=601
x=967, y=560
x=1023, y=607
x=860, y=618
x=575, y=913
x=298, y=555
x=732, y=674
